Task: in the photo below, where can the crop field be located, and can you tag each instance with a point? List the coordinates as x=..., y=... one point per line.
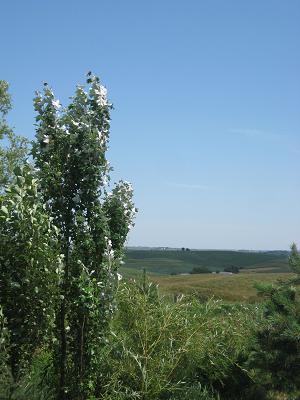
x=166, y=262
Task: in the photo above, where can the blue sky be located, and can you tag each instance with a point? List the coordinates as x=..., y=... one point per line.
x=206, y=94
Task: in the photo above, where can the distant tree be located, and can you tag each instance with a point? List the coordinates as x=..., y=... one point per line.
x=182, y=248
x=200, y=270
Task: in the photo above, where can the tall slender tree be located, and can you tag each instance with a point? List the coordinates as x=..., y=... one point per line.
x=69, y=153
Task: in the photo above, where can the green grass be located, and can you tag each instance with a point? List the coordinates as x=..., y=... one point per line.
x=236, y=287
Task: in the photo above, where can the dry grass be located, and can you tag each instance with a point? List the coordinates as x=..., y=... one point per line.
x=239, y=287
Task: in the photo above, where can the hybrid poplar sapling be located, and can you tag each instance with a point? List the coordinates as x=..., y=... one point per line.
x=69, y=153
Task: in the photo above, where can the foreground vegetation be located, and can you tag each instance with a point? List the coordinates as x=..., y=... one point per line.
x=191, y=350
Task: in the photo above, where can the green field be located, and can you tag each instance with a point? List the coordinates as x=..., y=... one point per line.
x=235, y=287
x=166, y=262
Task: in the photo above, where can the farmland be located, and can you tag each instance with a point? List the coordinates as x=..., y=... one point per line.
x=170, y=269
x=166, y=262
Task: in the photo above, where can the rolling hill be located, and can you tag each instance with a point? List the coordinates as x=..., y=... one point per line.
x=169, y=262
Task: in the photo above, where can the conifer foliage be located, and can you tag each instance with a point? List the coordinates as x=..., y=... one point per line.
x=277, y=356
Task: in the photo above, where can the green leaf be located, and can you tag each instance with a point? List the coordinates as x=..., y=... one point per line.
x=4, y=210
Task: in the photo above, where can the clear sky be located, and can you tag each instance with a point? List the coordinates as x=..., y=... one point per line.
x=206, y=94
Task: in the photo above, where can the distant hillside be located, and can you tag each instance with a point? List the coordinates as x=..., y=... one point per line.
x=281, y=265
x=166, y=262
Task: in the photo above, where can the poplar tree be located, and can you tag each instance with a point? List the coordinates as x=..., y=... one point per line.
x=30, y=270
x=69, y=154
